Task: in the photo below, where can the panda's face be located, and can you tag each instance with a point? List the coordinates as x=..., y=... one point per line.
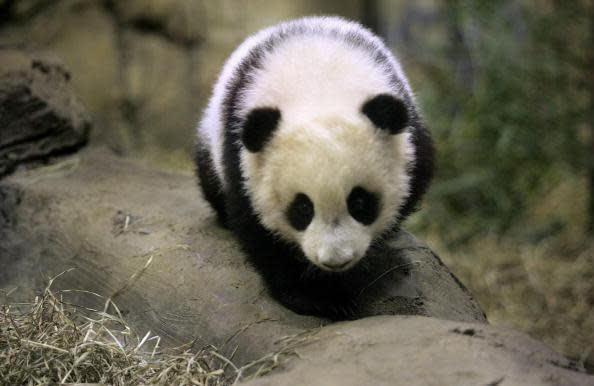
x=328, y=184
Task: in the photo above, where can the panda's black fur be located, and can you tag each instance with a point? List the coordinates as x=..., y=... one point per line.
x=290, y=277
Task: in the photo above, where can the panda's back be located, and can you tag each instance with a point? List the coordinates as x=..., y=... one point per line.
x=313, y=74
x=311, y=64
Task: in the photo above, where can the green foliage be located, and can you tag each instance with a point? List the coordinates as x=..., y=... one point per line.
x=509, y=111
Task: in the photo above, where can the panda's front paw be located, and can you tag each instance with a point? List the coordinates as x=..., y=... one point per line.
x=346, y=310
x=336, y=308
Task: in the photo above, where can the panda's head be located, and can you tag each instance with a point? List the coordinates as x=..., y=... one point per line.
x=329, y=183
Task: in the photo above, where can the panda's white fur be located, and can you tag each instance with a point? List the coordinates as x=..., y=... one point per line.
x=324, y=145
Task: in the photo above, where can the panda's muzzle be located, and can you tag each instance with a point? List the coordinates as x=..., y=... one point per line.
x=336, y=261
x=335, y=248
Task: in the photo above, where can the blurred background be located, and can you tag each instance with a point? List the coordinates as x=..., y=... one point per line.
x=507, y=88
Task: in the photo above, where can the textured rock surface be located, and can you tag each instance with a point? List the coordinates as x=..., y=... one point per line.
x=107, y=216
x=399, y=350
x=39, y=114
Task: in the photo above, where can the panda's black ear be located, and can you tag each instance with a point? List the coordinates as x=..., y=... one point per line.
x=386, y=113
x=258, y=127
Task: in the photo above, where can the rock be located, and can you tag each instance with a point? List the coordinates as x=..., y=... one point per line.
x=145, y=238
x=107, y=217
x=39, y=114
x=400, y=350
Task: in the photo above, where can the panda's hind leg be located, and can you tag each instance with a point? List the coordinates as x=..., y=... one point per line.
x=210, y=185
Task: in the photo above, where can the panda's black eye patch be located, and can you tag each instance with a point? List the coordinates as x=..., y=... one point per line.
x=258, y=128
x=301, y=212
x=363, y=205
x=386, y=113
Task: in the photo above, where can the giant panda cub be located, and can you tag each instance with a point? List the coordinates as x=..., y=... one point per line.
x=311, y=150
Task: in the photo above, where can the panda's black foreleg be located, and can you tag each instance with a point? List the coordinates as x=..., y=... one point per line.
x=210, y=185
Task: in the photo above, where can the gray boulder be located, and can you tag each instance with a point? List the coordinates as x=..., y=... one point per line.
x=39, y=114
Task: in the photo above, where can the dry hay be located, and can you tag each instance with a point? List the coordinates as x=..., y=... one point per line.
x=50, y=341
